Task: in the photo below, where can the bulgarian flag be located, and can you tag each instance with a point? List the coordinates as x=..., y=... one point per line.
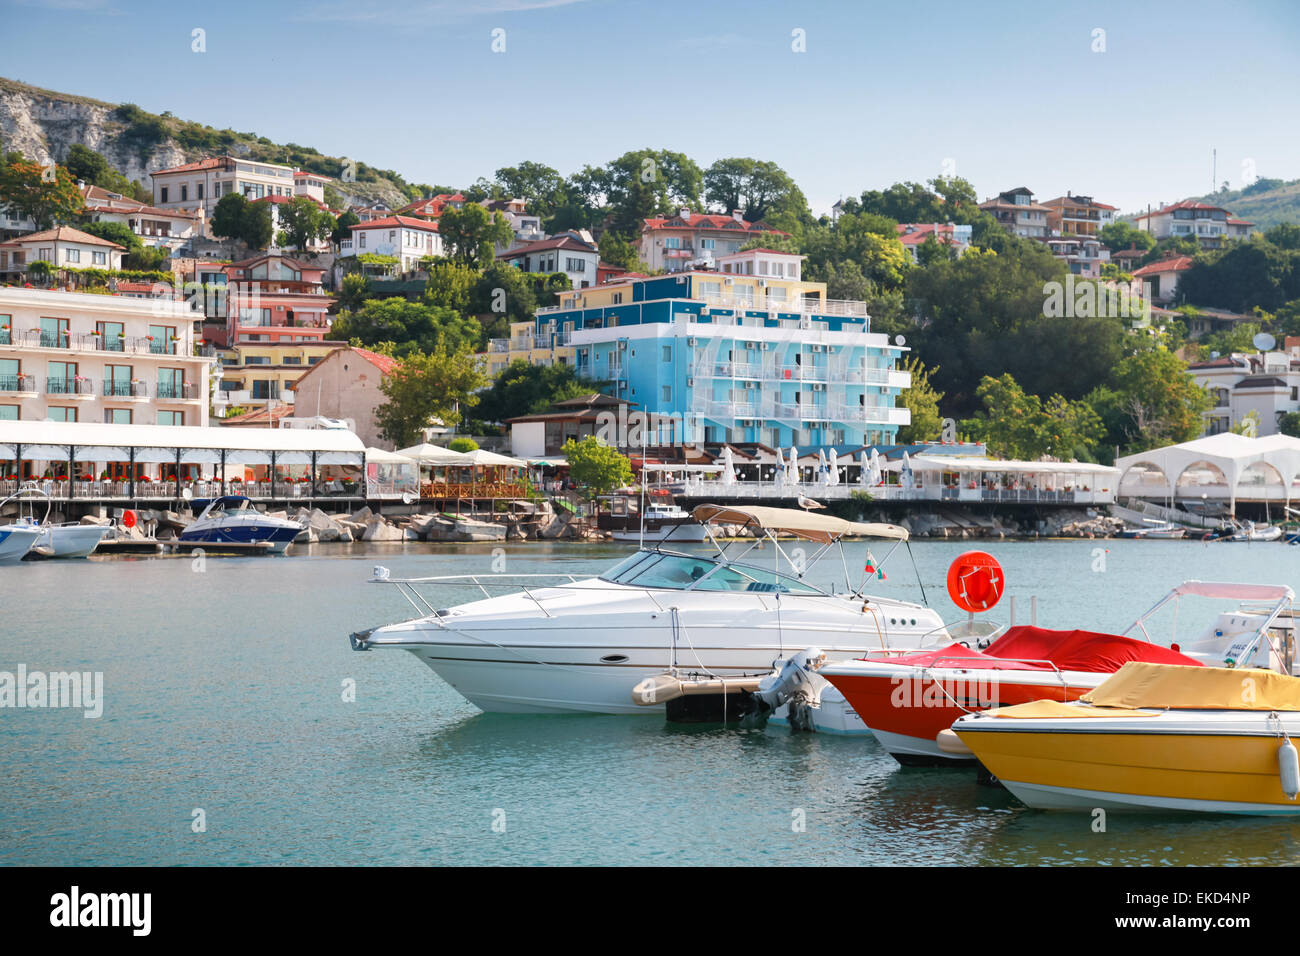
x=873, y=568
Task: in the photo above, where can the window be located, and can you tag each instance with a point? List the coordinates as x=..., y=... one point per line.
x=667, y=354
x=171, y=383
x=362, y=242
x=171, y=418
x=72, y=255
x=575, y=265
x=8, y=413
x=185, y=192
x=618, y=298
x=667, y=393
x=61, y=415
x=162, y=194
x=198, y=191
x=117, y=381
x=99, y=258
x=117, y=416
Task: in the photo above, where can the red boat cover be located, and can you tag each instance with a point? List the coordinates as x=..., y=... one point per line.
x=1068, y=650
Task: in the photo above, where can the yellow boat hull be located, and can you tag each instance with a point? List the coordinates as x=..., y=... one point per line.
x=1135, y=770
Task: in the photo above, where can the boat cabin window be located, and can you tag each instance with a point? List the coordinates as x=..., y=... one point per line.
x=651, y=569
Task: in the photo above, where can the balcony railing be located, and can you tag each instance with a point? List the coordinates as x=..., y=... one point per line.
x=178, y=390
x=17, y=383
x=112, y=389
x=69, y=386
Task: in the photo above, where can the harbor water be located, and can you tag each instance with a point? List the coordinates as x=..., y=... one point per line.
x=239, y=728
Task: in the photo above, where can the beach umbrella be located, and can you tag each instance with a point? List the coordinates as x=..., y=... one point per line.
x=728, y=467
x=794, y=465
x=833, y=476
x=875, y=466
x=905, y=472
x=864, y=471
x=780, y=474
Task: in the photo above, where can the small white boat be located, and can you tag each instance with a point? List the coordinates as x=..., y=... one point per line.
x=1257, y=532
x=66, y=540
x=659, y=521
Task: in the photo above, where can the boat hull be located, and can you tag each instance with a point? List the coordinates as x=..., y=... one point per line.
x=1131, y=767
x=15, y=543
x=278, y=537
x=907, y=707
x=583, y=649
x=72, y=541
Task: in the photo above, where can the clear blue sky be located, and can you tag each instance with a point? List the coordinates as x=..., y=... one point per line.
x=1007, y=94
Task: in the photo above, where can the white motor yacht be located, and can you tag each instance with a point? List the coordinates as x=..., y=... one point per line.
x=584, y=645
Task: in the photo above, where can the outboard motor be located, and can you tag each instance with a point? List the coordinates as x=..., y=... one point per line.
x=791, y=683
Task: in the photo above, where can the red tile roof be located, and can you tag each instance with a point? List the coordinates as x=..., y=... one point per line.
x=395, y=222
x=211, y=163
x=555, y=242
x=1176, y=264
x=62, y=234
x=1185, y=204
x=701, y=221
x=385, y=363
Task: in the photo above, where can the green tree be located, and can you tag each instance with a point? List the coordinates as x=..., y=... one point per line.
x=412, y=326
x=48, y=194
x=595, y=466
x=353, y=292
x=450, y=284
x=302, y=222
x=539, y=184
x=89, y=166
x=923, y=401
x=618, y=250
x=255, y=226
x=641, y=184
x=1289, y=424
x=503, y=294
x=761, y=190
x=463, y=444
x=471, y=234
x=1121, y=235
x=228, y=217
x=1015, y=424
x=343, y=227
x=523, y=389
x=425, y=387
x=1150, y=402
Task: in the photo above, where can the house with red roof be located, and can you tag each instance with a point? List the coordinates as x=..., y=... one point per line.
x=161, y=228
x=1072, y=215
x=692, y=240
x=345, y=385
x=1016, y=211
x=1205, y=222
x=431, y=207
x=913, y=235
x=62, y=247
x=1160, y=279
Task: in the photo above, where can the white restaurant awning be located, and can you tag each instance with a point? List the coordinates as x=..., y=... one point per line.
x=1005, y=466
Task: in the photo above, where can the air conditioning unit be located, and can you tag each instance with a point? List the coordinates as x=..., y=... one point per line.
x=728, y=281
x=765, y=346
x=819, y=387
x=751, y=345
x=749, y=385
x=690, y=382
x=818, y=348
x=622, y=346
x=762, y=283
x=681, y=280
x=690, y=340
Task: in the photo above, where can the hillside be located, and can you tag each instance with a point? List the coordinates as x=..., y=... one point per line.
x=44, y=124
x=1265, y=202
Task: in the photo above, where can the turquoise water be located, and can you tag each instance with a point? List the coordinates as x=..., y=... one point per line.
x=224, y=692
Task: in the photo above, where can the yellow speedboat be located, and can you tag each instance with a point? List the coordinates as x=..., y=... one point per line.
x=1151, y=737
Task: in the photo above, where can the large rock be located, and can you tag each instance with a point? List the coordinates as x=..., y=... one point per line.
x=362, y=516
x=377, y=529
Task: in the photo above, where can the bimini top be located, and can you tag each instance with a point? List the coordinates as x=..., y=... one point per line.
x=224, y=502
x=803, y=524
x=1240, y=592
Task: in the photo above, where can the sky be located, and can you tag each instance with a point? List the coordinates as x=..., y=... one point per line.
x=1123, y=101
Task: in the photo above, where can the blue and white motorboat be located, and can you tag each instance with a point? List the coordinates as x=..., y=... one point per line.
x=232, y=519
x=67, y=540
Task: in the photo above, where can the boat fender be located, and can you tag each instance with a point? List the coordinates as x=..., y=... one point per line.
x=1288, y=768
x=658, y=689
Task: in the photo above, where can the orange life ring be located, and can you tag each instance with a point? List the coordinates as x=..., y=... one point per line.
x=128, y=518
x=975, y=581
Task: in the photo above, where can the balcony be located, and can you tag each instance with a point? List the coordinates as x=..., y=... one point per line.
x=498, y=345
x=70, y=387
x=176, y=391
x=18, y=383
x=117, y=389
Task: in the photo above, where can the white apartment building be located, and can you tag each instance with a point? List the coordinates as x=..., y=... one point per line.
x=73, y=356
x=564, y=253
x=1016, y=211
x=1208, y=224
x=1267, y=384
x=688, y=240
x=160, y=228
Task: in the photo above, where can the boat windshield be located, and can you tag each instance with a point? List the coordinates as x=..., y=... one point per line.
x=656, y=569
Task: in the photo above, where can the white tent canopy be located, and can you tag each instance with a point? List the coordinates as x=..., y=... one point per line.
x=482, y=457
x=159, y=444
x=381, y=457
x=1231, y=455
x=931, y=463
x=427, y=454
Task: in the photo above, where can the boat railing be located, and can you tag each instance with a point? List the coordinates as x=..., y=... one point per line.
x=408, y=587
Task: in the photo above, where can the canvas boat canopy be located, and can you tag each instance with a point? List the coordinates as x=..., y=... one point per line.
x=1168, y=686
x=1238, y=592
x=812, y=527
